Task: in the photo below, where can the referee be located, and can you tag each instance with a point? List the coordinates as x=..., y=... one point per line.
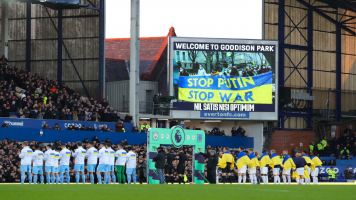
x=181, y=165
x=168, y=169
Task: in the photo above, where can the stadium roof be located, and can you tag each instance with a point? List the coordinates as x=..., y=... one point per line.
x=153, y=55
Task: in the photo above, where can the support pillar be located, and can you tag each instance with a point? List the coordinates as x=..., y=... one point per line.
x=281, y=55
x=310, y=65
x=102, y=50
x=60, y=46
x=338, y=72
x=134, y=60
x=153, y=123
x=28, y=37
x=4, y=28
x=167, y=124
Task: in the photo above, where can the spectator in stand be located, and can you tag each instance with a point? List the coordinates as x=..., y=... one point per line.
x=89, y=128
x=128, y=118
x=332, y=163
x=233, y=132
x=96, y=117
x=56, y=127
x=144, y=130
x=345, y=152
x=241, y=131
x=119, y=127
x=46, y=126
x=135, y=130
x=156, y=103
x=105, y=128
x=5, y=125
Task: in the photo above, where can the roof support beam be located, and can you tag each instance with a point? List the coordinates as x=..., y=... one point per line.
x=319, y=12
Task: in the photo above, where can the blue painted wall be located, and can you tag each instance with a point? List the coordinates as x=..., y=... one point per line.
x=115, y=137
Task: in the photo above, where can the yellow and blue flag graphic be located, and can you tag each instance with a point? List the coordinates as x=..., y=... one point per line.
x=112, y=153
x=242, y=160
x=123, y=153
x=288, y=163
x=40, y=155
x=264, y=160
x=226, y=89
x=253, y=161
x=106, y=153
x=275, y=160
x=307, y=159
x=315, y=162
x=51, y=155
x=95, y=152
x=67, y=153
x=83, y=153
x=57, y=156
x=29, y=152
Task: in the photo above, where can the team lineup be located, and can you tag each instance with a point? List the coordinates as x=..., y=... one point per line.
x=304, y=167
x=55, y=172
x=54, y=164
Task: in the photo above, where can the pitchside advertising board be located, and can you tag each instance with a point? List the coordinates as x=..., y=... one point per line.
x=223, y=78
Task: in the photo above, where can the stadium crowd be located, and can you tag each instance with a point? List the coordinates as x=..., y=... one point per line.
x=37, y=97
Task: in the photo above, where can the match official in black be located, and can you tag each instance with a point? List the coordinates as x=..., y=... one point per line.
x=213, y=160
x=168, y=170
x=160, y=160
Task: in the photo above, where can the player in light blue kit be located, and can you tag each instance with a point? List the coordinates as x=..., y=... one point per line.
x=37, y=164
x=111, y=164
x=55, y=165
x=64, y=157
x=79, y=155
x=92, y=156
x=49, y=158
x=103, y=156
x=26, y=159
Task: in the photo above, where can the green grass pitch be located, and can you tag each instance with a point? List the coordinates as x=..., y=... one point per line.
x=172, y=192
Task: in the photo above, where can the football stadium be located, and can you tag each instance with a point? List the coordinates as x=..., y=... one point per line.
x=248, y=99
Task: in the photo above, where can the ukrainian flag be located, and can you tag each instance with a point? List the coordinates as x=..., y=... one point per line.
x=123, y=154
x=242, y=160
x=275, y=160
x=222, y=163
x=106, y=153
x=29, y=152
x=57, y=156
x=307, y=159
x=306, y=174
x=95, y=152
x=51, y=155
x=67, y=153
x=83, y=153
x=264, y=160
x=288, y=163
x=253, y=161
x=112, y=153
x=315, y=162
x=40, y=155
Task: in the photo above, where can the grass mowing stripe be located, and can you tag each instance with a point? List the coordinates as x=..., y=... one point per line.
x=173, y=192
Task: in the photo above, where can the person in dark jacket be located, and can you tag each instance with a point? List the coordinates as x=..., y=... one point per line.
x=213, y=160
x=156, y=103
x=168, y=169
x=348, y=173
x=300, y=164
x=128, y=118
x=141, y=170
x=160, y=159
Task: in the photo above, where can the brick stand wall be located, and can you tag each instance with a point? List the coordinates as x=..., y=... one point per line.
x=289, y=139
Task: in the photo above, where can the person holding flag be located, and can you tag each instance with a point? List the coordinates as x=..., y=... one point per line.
x=300, y=165
x=316, y=162
x=226, y=164
x=241, y=164
x=252, y=166
x=307, y=169
x=265, y=161
x=276, y=164
x=288, y=164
